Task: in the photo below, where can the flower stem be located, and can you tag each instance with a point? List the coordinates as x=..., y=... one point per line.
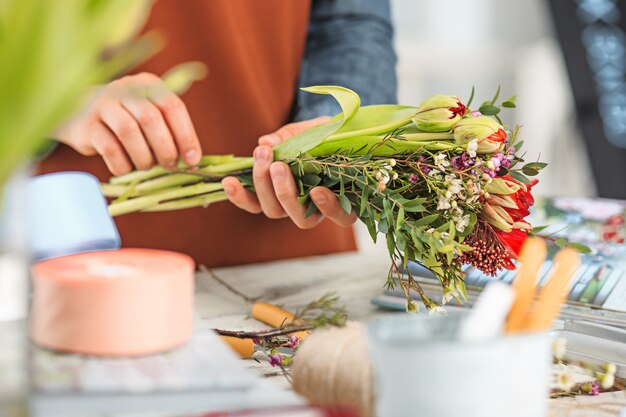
x=373, y=131
x=148, y=201
x=425, y=136
x=196, y=201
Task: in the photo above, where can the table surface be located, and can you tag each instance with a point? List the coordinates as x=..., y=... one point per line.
x=355, y=277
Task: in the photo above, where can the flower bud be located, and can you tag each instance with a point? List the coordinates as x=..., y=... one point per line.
x=439, y=113
x=487, y=132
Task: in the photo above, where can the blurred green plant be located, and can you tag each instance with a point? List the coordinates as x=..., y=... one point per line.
x=51, y=53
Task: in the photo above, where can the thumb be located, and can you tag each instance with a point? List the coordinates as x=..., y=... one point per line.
x=290, y=130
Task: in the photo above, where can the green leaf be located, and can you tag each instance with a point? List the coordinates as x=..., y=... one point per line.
x=414, y=203
x=495, y=97
x=471, y=97
x=446, y=249
x=376, y=119
x=415, y=209
x=383, y=226
x=509, y=102
x=400, y=219
x=310, y=210
x=539, y=229
x=345, y=203
x=311, y=179
x=561, y=243
x=489, y=110
x=579, y=247
x=364, y=202
x=426, y=220
x=310, y=138
x=391, y=244
x=531, y=172
x=536, y=165
x=371, y=228
x=520, y=177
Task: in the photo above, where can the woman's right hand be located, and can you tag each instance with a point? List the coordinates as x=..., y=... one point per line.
x=134, y=122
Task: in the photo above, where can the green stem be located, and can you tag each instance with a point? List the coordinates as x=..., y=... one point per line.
x=157, y=170
x=199, y=201
x=428, y=136
x=147, y=201
x=373, y=131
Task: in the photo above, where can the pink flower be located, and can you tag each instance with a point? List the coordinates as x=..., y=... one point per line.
x=276, y=359
x=293, y=341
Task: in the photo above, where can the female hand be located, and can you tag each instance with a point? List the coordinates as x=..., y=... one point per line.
x=276, y=192
x=134, y=122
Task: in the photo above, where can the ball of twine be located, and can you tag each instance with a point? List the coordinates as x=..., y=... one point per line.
x=333, y=368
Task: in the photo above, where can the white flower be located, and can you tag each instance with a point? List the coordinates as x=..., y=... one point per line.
x=412, y=307
x=430, y=231
x=378, y=175
x=559, y=346
x=472, y=147
x=437, y=310
x=607, y=381
x=445, y=235
x=441, y=160
x=462, y=222
x=448, y=295
x=456, y=186
x=564, y=378
x=443, y=203
x=392, y=162
x=384, y=179
x=434, y=172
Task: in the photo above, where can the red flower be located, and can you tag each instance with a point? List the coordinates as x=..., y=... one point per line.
x=513, y=240
x=508, y=204
x=506, y=209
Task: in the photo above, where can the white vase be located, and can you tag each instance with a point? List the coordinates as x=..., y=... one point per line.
x=421, y=368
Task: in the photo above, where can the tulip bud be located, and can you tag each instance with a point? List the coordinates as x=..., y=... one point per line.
x=439, y=113
x=487, y=132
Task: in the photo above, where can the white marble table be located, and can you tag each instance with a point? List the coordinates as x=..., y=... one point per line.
x=356, y=278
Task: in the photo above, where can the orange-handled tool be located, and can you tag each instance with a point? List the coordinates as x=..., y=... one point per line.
x=531, y=258
x=554, y=292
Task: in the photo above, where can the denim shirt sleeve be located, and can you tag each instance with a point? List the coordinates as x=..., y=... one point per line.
x=349, y=43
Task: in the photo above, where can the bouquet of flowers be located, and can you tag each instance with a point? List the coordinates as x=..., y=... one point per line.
x=446, y=185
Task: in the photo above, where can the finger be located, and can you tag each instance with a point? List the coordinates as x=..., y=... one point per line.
x=328, y=205
x=239, y=196
x=177, y=118
x=287, y=194
x=154, y=129
x=111, y=150
x=263, y=183
x=125, y=127
x=290, y=130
